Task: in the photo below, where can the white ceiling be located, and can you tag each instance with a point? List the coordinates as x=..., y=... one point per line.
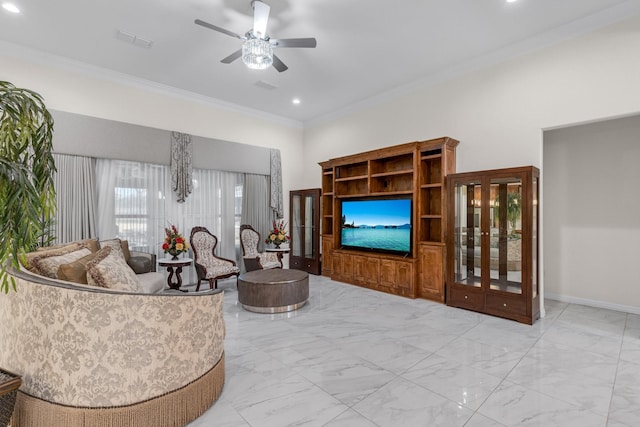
x=365, y=48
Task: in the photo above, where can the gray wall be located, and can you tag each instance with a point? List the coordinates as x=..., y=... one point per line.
x=94, y=137
x=591, y=210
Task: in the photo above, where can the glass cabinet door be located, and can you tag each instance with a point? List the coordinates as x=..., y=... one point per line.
x=305, y=231
x=467, y=241
x=505, y=235
x=296, y=225
x=488, y=232
x=310, y=205
x=303, y=226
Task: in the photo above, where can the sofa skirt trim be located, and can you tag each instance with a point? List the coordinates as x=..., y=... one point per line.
x=176, y=408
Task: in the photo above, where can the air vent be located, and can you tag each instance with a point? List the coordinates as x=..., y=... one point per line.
x=265, y=85
x=134, y=39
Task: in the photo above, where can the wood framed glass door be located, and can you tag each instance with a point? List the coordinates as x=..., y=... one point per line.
x=304, y=217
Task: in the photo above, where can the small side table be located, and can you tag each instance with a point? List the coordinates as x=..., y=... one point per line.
x=284, y=251
x=177, y=264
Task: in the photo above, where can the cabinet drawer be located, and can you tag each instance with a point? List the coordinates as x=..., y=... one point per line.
x=471, y=298
x=504, y=303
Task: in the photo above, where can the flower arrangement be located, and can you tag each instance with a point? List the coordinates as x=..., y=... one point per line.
x=174, y=243
x=278, y=235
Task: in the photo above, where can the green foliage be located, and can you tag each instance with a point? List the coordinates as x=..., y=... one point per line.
x=27, y=195
x=514, y=208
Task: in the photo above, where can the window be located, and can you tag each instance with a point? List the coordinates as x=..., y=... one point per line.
x=135, y=202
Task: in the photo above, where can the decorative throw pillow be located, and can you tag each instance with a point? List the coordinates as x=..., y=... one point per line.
x=139, y=264
x=124, y=245
x=46, y=263
x=117, y=246
x=39, y=252
x=76, y=271
x=92, y=244
x=108, y=269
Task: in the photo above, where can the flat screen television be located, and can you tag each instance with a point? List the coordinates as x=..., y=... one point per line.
x=379, y=225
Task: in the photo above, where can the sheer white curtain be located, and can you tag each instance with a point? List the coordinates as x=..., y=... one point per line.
x=215, y=203
x=132, y=202
x=76, y=198
x=256, y=210
x=135, y=202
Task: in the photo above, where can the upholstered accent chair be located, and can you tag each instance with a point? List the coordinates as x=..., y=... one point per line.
x=210, y=267
x=254, y=260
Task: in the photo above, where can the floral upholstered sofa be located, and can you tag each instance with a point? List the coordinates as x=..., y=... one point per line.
x=107, y=356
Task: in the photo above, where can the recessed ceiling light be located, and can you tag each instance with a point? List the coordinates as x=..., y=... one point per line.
x=11, y=7
x=511, y=1
x=296, y=101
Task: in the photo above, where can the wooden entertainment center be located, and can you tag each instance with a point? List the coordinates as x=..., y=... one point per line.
x=416, y=170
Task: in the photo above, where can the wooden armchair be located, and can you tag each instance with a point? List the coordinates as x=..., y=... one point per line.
x=210, y=267
x=254, y=260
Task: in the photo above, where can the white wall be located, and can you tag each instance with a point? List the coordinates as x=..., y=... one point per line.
x=591, y=213
x=66, y=87
x=499, y=113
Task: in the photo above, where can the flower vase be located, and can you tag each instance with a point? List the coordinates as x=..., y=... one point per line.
x=174, y=254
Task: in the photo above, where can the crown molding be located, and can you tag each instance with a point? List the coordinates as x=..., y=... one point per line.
x=524, y=47
x=48, y=59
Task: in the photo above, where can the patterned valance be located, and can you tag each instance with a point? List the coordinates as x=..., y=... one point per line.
x=181, y=165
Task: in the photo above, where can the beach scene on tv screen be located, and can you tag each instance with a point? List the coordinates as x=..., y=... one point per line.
x=377, y=224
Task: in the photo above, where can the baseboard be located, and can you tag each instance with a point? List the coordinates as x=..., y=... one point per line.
x=593, y=303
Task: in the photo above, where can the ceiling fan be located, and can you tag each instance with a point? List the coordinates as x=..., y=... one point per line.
x=257, y=48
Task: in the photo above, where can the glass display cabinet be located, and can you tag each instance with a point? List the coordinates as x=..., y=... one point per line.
x=304, y=212
x=493, y=242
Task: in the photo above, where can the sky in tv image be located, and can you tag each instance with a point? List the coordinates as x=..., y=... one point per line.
x=377, y=212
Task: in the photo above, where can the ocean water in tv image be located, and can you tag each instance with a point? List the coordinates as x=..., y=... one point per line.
x=386, y=239
x=377, y=224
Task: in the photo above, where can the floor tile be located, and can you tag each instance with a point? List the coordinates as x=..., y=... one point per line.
x=489, y=359
x=583, y=339
x=224, y=415
x=462, y=384
x=625, y=404
x=403, y=403
x=479, y=420
x=566, y=383
x=515, y=405
x=350, y=418
x=354, y=357
x=563, y=356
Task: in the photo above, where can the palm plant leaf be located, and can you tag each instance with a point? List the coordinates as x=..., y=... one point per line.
x=26, y=174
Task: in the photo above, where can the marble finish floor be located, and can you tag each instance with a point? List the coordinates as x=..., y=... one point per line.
x=358, y=358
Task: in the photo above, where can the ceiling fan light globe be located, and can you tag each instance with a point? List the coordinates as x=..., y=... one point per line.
x=257, y=54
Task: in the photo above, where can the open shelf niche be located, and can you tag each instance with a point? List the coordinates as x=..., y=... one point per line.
x=417, y=169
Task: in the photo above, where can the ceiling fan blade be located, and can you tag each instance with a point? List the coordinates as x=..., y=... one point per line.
x=278, y=64
x=235, y=55
x=260, y=18
x=218, y=29
x=308, y=42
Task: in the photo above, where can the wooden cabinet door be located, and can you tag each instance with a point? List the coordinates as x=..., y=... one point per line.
x=396, y=277
x=342, y=267
x=404, y=277
x=366, y=271
x=431, y=278
x=327, y=259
